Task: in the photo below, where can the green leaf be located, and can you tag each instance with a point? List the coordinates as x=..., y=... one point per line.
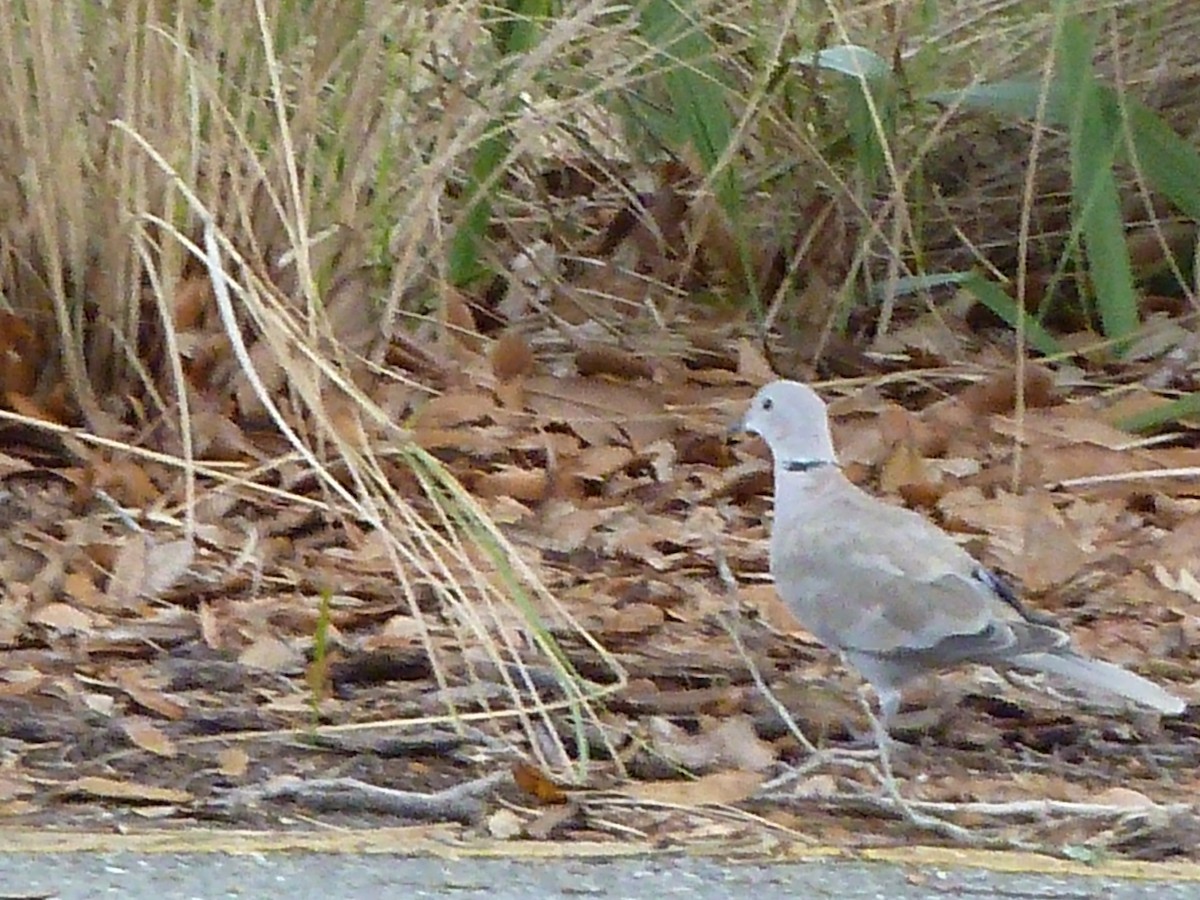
x=1095, y=129
x=871, y=102
x=515, y=29
x=914, y=284
x=849, y=59
x=1167, y=414
x=1016, y=98
x=463, y=259
x=998, y=301
x=1105, y=126
x=1170, y=163
x=696, y=89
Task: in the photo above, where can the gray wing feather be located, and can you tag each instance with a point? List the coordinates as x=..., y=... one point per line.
x=868, y=577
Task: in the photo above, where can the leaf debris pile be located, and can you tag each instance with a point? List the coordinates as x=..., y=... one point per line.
x=174, y=678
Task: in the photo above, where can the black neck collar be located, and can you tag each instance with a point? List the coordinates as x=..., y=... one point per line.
x=806, y=465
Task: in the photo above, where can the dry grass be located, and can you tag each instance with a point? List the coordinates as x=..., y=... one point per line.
x=298, y=157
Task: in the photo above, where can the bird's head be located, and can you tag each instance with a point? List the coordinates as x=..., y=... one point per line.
x=793, y=421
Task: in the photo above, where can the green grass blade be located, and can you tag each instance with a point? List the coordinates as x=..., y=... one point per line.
x=1169, y=163
x=998, y=301
x=872, y=92
x=1095, y=130
x=915, y=284
x=1168, y=414
x=695, y=87
x=1105, y=125
x=463, y=262
x=515, y=30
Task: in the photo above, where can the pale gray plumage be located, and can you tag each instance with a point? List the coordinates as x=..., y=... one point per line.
x=888, y=589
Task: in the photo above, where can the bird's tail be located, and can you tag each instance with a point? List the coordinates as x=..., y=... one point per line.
x=1103, y=676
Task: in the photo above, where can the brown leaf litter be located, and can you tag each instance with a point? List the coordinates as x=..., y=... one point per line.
x=139, y=659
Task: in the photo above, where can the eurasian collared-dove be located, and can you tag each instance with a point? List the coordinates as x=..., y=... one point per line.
x=888, y=589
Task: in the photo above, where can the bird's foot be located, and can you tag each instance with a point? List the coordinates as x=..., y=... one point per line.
x=788, y=775
x=871, y=742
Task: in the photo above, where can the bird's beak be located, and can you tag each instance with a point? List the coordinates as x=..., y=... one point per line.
x=736, y=427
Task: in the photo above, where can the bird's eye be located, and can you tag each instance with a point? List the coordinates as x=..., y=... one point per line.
x=768, y=403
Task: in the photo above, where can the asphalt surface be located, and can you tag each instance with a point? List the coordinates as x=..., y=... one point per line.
x=212, y=876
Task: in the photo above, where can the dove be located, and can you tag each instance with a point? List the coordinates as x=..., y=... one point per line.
x=895, y=595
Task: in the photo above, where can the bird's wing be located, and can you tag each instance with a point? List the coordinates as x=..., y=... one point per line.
x=867, y=576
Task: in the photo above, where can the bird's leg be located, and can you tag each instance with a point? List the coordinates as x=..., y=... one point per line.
x=889, y=705
x=857, y=758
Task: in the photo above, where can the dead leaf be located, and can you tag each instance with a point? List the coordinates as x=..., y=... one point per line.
x=63, y=617
x=1029, y=536
x=128, y=481
x=717, y=789
x=552, y=819
x=112, y=789
x=504, y=825
x=210, y=626
x=765, y=600
x=1124, y=797
x=601, y=462
x=31, y=408
x=817, y=787
x=149, y=697
x=905, y=467
x=166, y=564
x=997, y=394
x=633, y=618
x=85, y=592
x=13, y=788
x=741, y=746
x=511, y=357
x=1184, y=583
x=600, y=410
x=149, y=737
x=567, y=527
x=451, y=410
x=528, y=485
x=533, y=782
x=271, y=654
x=753, y=364
x=731, y=743
x=233, y=761
x=459, y=321
x=144, y=568
x=605, y=359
